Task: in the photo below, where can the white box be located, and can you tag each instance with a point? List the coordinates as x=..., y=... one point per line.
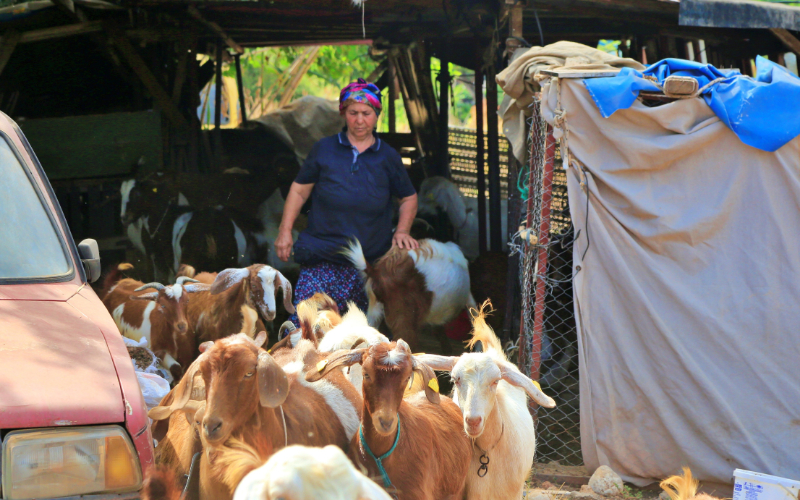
x=756, y=486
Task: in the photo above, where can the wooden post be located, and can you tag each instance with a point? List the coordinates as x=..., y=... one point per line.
x=444, y=109
x=194, y=102
x=218, y=109
x=240, y=88
x=392, y=96
x=7, y=45
x=135, y=61
x=495, y=220
x=514, y=26
x=479, y=145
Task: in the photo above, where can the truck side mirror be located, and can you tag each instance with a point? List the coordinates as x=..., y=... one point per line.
x=90, y=257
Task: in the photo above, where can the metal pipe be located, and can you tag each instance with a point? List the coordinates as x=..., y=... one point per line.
x=495, y=220
x=479, y=149
x=444, y=108
x=392, y=96
x=218, y=108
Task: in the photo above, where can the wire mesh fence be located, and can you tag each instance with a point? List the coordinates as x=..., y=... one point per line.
x=463, y=161
x=547, y=349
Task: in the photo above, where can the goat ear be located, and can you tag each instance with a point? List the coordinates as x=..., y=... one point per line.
x=206, y=346
x=287, y=292
x=145, y=296
x=260, y=339
x=273, y=386
x=197, y=287
x=179, y=396
x=428, y=379
x=228, y=278
x=511, y=375
x=336, y=360
x=437, y=362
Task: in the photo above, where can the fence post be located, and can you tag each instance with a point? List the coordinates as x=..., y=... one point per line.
x=541, y=260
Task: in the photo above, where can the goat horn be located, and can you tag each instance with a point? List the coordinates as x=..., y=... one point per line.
x=156, y=285
x=185, y=279
x=358, y=341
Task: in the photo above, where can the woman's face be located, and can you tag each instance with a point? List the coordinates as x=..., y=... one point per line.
x=361, y=120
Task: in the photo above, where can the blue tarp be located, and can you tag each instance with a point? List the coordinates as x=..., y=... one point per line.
x=763, y=112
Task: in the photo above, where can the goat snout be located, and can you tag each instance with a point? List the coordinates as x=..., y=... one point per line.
x=182, y=326
x=384, y=424
x=473, y=424
x=212, y=427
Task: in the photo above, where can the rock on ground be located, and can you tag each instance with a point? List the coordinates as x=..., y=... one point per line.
x=606, y=482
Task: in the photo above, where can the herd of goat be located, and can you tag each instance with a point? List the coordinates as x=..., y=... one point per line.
x=252, y=423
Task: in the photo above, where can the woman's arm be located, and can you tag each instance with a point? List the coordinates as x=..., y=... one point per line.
x=408, y=210
x=298, y=194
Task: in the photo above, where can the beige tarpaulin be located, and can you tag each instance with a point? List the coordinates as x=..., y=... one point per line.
x=303, y=122
x=688, y=295
x=518, y=81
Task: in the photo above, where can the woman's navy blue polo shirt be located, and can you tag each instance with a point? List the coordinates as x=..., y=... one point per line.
x=352, y=197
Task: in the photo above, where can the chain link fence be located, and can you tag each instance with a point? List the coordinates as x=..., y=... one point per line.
x=547, y=349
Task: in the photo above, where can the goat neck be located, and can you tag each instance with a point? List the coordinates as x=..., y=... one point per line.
x=492, y=430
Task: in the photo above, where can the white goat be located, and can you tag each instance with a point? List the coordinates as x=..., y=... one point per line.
x=491, y=393
x=306, y=473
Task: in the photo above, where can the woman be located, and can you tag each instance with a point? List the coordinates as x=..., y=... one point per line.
x=351, y=178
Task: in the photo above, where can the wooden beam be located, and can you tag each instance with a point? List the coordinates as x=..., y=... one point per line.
x=790, y=41
x=135, y=61
x=216, y=29
x=65, y=5
x=7, y=45
x=240, y=88
x=392, y=96
x=180, y=72
x=61, y=31
x=495, y=218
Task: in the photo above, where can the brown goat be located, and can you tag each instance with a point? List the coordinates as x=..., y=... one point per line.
x=159, y=316
x=248, y=398
x=431, y=453
x=412, y=288
x=238, y=301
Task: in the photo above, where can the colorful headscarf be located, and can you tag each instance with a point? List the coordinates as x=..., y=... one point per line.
x=363, y=92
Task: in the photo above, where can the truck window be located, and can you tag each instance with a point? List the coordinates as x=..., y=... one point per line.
x=30, y=244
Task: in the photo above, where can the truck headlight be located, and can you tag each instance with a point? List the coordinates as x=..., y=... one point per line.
x=66, y=462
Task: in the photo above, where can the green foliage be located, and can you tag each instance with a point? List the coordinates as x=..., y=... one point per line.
x=629, y=492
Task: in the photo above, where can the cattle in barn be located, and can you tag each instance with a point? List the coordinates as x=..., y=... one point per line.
x=212, y=239
x=159, y=316
x=412, y=288
x=416, y=445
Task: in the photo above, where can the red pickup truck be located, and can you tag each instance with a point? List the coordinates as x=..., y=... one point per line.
x=73, y=422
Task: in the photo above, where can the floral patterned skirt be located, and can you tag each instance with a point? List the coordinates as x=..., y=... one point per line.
x=342, y=282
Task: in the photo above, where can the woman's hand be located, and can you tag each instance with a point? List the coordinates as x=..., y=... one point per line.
x=404, y=240
x=283, y=244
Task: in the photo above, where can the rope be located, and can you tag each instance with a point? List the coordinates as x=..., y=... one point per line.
x=387, y=483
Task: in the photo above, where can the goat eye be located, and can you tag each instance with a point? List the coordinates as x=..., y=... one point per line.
x=366, y=377
x=249, y=374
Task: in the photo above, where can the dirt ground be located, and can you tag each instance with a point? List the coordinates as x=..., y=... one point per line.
x=571, y=482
